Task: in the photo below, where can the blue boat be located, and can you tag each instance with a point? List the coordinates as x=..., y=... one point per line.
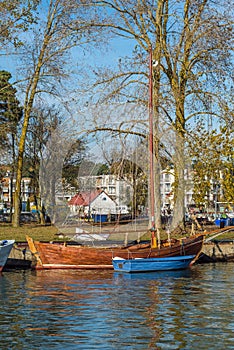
x=5, y=249
x=152, y=264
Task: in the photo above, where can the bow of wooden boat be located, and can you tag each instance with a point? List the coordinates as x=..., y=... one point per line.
x=34, y=251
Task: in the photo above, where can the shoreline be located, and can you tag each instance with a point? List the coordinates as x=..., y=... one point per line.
x=212, y=252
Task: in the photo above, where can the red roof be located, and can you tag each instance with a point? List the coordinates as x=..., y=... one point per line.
x=84, y=198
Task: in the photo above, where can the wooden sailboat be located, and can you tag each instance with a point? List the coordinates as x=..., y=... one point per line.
x=56, y=255
x=82, y=256
x=161, y=263
x=71, y=256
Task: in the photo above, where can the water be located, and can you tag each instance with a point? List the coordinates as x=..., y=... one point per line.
x=192, y=309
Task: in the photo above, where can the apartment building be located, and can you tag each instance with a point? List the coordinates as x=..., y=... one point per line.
x=7, y=190
x=117, y=189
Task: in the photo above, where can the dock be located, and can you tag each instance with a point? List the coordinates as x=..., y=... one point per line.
x=217, y=251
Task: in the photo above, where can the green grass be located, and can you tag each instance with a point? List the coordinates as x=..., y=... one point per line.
x=37, y=232
x=50, y=233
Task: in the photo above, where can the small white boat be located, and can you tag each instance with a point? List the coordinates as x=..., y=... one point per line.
x=5, y=249
x=153, y=264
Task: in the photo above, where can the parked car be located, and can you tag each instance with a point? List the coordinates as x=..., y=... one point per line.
x=28, y=217
x=4, y=217
x=25, y=217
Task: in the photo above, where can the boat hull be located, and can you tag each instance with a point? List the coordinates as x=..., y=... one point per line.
x=5, y=249
x=61, y=256
x=152, y=264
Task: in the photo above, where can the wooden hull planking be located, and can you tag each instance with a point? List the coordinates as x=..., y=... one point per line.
x=60, y=256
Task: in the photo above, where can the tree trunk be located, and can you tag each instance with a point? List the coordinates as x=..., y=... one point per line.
x=17, y=194
x=179, y=210
x=28, y=105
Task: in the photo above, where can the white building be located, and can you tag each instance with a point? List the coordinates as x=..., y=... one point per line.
x=166, y=186
x=118, y=190
x=92, y=203
x=8, y=188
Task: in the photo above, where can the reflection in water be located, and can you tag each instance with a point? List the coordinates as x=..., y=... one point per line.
x=109, y=310
x=159, y=275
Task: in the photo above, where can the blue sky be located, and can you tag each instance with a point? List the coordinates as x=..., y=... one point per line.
x=110, y=55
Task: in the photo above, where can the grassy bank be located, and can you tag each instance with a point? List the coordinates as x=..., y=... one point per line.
x=37, y=232
x=50, y=233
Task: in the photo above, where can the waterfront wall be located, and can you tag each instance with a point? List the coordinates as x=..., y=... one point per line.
x=215, y=251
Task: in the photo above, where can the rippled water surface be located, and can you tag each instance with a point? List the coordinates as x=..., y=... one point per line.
x=192, y=309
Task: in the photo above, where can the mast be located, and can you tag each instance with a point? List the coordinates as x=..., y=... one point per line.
x=151, y=153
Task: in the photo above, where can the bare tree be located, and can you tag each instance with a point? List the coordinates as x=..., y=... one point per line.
x=45, y=58
x=194, y=60
x=15, y=16
x=192, y=43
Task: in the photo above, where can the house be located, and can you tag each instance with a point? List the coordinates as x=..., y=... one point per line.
x=96, y=203
x=119, y=190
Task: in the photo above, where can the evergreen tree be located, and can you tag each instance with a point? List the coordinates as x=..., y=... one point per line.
x=10, y=115
x=10, y=109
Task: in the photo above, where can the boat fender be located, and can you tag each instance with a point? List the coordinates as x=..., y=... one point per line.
x=24, y=253
x=4, y=242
